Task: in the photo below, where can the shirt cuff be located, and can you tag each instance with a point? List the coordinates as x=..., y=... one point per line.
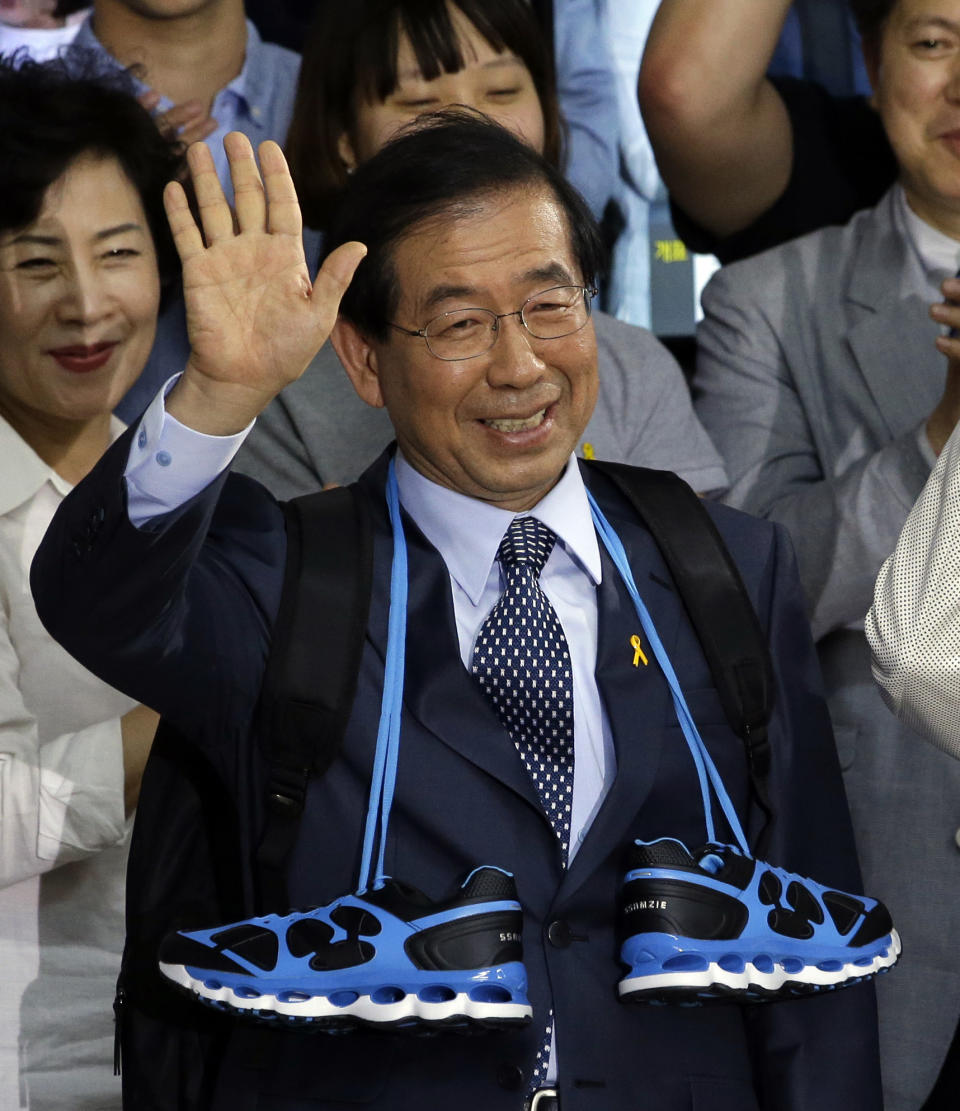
x=170, y=463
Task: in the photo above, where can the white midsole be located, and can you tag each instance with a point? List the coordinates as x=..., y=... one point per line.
x=753, y=977
x=319, y=1006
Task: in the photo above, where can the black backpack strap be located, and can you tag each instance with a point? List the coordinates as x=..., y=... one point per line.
x=311, y=674
x=717, y=603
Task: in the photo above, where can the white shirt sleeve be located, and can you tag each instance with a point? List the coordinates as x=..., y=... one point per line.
x=170, y=463
x=914, y=623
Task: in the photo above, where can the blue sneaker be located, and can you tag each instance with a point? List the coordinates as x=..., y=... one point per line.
x=388, y=958
x=718, y=924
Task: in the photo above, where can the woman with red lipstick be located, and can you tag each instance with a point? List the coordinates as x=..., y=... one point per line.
x=84, y=247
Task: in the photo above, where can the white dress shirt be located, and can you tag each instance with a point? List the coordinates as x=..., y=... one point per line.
x=467, y=533
x=61, y=800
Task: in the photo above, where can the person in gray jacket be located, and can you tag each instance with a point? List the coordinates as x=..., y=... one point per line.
x=319, y=432
x=819, y=377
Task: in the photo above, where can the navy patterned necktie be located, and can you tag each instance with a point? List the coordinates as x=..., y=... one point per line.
x=522, y=662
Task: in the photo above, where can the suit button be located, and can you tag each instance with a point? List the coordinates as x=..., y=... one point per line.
x=510, y=1077
x=956, y=838
x=558, y=934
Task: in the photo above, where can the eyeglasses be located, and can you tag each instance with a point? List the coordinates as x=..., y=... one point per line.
x=467, y=333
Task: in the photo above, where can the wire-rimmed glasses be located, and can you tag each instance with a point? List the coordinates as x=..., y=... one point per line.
x=468, y=333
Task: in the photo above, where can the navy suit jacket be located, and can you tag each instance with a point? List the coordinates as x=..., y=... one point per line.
x=179, y=615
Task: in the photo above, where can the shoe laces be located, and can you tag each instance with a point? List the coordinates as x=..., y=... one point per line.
x=707, y=773
x=383, y=780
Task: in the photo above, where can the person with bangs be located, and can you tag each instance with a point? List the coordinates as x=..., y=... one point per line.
x=85, y=252
x=370, y=68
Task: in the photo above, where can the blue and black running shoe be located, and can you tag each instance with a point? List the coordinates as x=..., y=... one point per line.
x=388, y=958
x=717, y=924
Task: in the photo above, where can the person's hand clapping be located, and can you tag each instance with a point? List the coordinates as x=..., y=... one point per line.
x=945, y=416
x=253, y=317
x=188, y=122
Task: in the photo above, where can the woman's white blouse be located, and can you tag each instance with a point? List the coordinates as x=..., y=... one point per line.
x=61, y=801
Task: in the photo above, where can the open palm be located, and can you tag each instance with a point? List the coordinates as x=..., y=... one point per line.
x=253, y=318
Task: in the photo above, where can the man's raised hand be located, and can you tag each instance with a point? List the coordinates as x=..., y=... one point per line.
x=254, y=319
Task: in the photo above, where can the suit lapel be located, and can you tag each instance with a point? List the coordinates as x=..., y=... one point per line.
x=891, y=336
x=439, y=692
x=442, y=697
x=636, y=699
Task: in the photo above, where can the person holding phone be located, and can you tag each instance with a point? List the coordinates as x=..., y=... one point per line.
x=822, y=379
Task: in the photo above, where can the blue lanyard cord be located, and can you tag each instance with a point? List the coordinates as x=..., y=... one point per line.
x=384, y=777
x=388, y=736
x=698, y=750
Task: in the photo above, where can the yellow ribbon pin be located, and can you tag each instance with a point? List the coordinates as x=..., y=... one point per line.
x=638, y=653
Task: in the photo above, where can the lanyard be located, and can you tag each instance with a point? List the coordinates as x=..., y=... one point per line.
x=387, y=754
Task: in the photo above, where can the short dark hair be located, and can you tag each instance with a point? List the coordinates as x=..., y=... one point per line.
x=52, y=113
x=441, y=164
x=352, y=53
x=870, y=16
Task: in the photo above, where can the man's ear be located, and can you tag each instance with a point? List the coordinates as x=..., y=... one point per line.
x=347, y=154
x=359, y=361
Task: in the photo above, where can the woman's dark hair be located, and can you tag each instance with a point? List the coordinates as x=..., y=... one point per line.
x=51, y=113
x=870, y=16
x=413, y=180
x=351, y=54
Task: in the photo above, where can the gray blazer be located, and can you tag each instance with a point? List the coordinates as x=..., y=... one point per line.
x=814, y=378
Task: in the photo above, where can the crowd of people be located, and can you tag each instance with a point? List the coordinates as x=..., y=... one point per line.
x=401, y=256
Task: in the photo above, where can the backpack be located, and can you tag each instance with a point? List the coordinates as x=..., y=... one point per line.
x=193, y=861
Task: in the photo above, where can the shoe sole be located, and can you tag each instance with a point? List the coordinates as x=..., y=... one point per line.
x=760, y=984
x=398, y=1010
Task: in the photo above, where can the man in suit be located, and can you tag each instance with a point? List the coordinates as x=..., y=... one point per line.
x=820, y=381
x=183, y=566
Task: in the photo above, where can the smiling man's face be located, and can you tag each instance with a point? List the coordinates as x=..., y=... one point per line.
x=915, y=72
x=501, y=426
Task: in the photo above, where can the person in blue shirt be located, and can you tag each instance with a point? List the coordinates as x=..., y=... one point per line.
x=203, y=70
x=587, y=88
x=203, y=65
